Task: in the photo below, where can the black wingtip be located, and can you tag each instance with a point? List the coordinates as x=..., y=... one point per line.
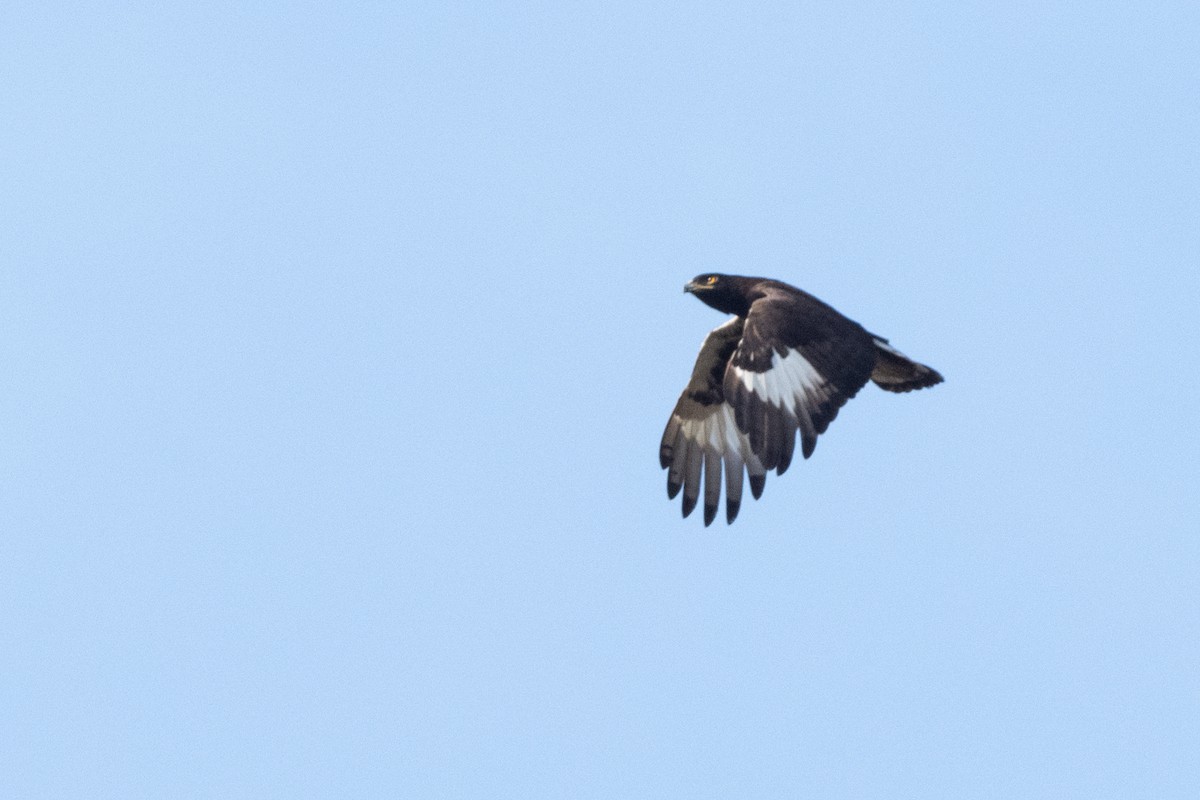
x=808, y=445
x=756, y=485
x=710, y=513
x=689, y=504
x=666, y=452
x=825, y=415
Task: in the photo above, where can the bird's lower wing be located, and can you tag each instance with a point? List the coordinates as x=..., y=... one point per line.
x=702, y=438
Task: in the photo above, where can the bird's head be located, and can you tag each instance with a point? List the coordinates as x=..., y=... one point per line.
x=722, y=292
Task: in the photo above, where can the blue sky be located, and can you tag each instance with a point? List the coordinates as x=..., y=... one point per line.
x=338, y=342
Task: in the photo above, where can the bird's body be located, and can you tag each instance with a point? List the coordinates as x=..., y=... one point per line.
x=785, y=363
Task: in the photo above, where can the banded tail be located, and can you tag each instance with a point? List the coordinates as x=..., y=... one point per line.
x=896, y=372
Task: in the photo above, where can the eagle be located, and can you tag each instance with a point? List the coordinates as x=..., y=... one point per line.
x=786, y=362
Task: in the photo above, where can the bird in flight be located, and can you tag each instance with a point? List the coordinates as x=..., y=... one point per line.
x=785, y=363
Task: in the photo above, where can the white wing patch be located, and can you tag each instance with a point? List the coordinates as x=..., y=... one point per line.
x=770, y=406
x=718, y=433
x=790, y=382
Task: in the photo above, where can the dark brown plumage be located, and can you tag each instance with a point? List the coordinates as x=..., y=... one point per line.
x=785, y=363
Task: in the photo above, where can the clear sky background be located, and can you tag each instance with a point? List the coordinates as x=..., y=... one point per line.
x=337, y=340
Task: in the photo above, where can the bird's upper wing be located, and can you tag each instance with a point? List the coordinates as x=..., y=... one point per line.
x=702, y=432
x=797, y=363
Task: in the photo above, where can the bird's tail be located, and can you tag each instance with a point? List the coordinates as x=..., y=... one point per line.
x=896, y=372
